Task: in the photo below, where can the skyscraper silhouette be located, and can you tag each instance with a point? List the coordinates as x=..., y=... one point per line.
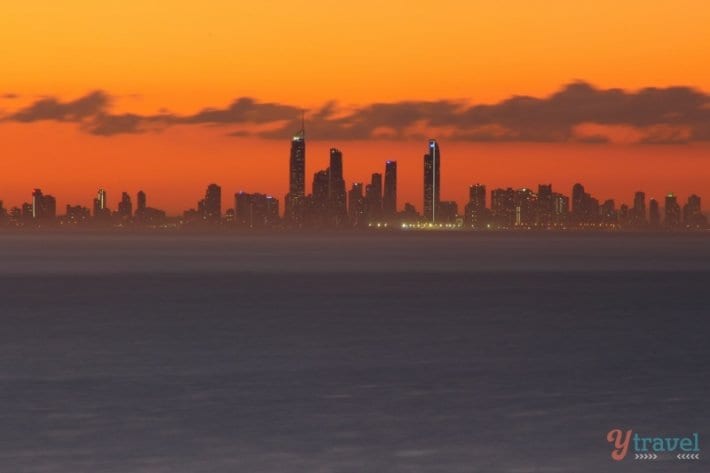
x=318, y=200
x=37, y=203
x=432, y=182
x=44, y=207
x=639, y=209
x=560, y=208
x=608, y=212
x=101, y=210
x=255, y=210
x=76, y=214
x=148, y=215
x=654, y=214
x=373, y=199
x=141, y=205
x=672, y=211
x=141, y=201
x=692, y=213
x=475, y=212
x=356, y=206
x=545, y=204
x=389, y=198
x=125, y=207
x=503, y=207
x=337, y=206
x=524, y=201
x=579, y=203
x=102, y=199
x=212, y=204
x=295, y=199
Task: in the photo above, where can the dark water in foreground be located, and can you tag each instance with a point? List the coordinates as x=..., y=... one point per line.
x=402, y=353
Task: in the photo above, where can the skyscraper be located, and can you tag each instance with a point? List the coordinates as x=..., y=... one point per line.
x=141, y=202
x=337, y=207
x=608, y=212
x=102, y=199
x=255, y=210
x=318, y=204
x=101, y=210
x=560, y=208
x=373, y=199
x=212, y=204
x=622, y=216
x=654, y=214
x=76, y=214
x=432, y=180
x=356, y=206
x=593, y=213
x=475, y=212
x=27, y=213
x=50, y=206
x=37, y=203
x=272, y=210
x=295, y=199
x=692, y=213
x=242, y=209
x=448, y=211
x=44, y=207
x=672, y=211
x=503, y=207
x=389, y=199
x=524, y=200
x=639, y=209
x=125, y=207
x=545, y=204
x=145, y=215
x=579, y=203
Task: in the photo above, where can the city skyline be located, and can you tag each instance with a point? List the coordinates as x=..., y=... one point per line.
x=331, y=205
x=455, y=182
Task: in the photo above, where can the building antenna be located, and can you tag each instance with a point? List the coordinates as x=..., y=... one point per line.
x=303, y=123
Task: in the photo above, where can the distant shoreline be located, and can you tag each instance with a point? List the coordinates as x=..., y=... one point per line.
x=367, y=232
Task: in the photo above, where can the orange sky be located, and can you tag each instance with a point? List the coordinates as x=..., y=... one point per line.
x=183, y=56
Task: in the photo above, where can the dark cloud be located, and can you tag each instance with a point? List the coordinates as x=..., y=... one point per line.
x=92, y=113
x=555, y=117
x=668, y=115
x=244, y=110
x=108, y=125
x=9, y=96
x=77, y=110
x=394, y=120
x=577, y=112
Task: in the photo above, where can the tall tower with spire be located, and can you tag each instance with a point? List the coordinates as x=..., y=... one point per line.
x=295, y=199
x=432, y=182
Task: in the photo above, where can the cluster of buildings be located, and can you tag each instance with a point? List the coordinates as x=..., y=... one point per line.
x=329, y=205
x=545, y=209
x=42, y=212
x=366, y=205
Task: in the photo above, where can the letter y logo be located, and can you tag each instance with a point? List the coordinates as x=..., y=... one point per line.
x=620, y=441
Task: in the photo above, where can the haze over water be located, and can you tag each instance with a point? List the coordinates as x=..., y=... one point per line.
x=419, y=352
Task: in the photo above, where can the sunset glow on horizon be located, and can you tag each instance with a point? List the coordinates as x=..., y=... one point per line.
x=161, y=64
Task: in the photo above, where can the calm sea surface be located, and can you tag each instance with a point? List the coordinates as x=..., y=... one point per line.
x=346, y=353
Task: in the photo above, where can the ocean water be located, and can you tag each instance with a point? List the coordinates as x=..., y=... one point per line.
x=349, y=353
